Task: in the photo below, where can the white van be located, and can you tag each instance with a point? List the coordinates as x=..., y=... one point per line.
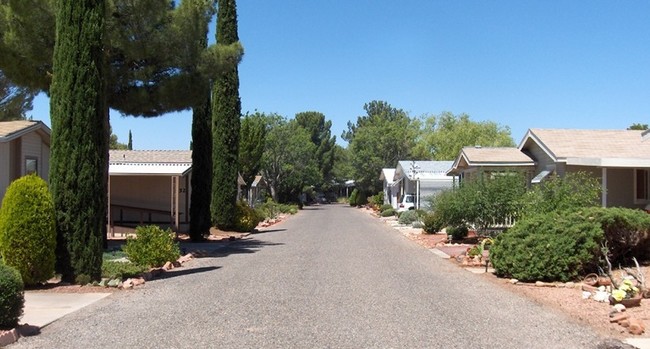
x=407, y=203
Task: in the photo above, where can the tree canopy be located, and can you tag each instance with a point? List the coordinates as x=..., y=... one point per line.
x=252, y=139
x=321, y=136
x=444, y=135
x=15, y=101
x=379, y=139
x=637, y=126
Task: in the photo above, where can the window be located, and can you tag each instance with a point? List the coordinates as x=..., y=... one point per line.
x=641, y=185
x=31, y=166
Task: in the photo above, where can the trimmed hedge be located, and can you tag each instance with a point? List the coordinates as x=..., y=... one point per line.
x=432, y=223
x=389, y=212
x=246, y=218
x=548, y=247
x=408, y=217
x=458, y=232
x=27, y=229
x=12, y=299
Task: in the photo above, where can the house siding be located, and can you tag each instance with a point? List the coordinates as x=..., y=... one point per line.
x=32, y=147
x=620, y=188
x=147, y=193
x=5, y=171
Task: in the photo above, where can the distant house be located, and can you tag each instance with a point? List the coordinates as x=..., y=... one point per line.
x=390, y=192
x=150, y=187
x=257, y=188
x=619, y=159
x=422, y=178
x=474, y=161
x=24, y=149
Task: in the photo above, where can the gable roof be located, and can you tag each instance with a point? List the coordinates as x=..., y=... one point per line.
x=149, y=162
x=425, y=169
x=490, y=156
x=603, y=148
x=10, y=130
x=387, y=175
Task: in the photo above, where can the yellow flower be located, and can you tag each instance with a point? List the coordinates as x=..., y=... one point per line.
x=618, y=295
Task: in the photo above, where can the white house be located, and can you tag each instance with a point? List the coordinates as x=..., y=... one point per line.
x=24, y=149
x=390, y=191
x=422, y=178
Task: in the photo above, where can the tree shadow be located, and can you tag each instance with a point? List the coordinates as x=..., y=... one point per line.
x=259, y=232
x=184, y=271
x=242, y=247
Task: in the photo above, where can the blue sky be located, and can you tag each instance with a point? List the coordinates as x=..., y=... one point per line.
x=522, y=64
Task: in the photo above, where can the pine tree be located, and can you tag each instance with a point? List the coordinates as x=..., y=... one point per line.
x=79, y=152
x=226, y=111
x=129, y=146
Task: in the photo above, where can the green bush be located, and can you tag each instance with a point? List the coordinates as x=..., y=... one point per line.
x=569, y=193
x=408, y=217
x=548, y=247
x=458, y=232
x=432, y=223
x=12, y=299
x=353, y=197
x=271, y=209
x=377, y=200
x=627, y=231
x=246, y=218
x=27, y=229
x=385, y=207
x=152, y=246
x=389, y=212
x=122, y=270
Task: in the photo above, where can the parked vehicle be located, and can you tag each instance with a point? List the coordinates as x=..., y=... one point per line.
x=407, y=203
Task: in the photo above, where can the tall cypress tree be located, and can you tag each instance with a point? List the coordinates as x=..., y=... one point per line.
x=200, y=221
x=79, y=148
x=226, y=111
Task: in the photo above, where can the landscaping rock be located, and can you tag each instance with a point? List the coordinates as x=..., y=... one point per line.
x=619, y=307
x=8, y=337
x=138, y=281
x=103, y=282
x=611, y=343
x=128, y=284
x=618, y=317
x=513, y=281
x=168, y=266
x=636, y=327
x=114, y=283
x=570, y=284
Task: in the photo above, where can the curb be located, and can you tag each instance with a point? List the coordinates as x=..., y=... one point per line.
x=9, y=337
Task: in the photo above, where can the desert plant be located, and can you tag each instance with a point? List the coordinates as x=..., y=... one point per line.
x=152, y=246
x=408, y=217
x=246, y=218
x=389, y=212
x=458, y=232
x=548, y=247
x=385, y=207
x=27, y=229
x=122, y=270
x=12, y=299
x=432, y=223
x=377, y=200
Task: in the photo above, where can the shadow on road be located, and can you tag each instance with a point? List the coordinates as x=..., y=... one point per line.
x=185, y=271
x=241, y=247
x=258, y=232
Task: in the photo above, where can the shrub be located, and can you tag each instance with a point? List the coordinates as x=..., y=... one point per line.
x=385, y=207
x=572, y=192
x=432, y=223
x=458, y=232
x=548, y=247
x=246, y=218
x=408, y=217
x=389, y=212
x=152, y=246
x=626, y=231
x=353, y=197
x=377, y=200
x=122, y=270
x=12, y=299
x=271, y=209
x=27, y=229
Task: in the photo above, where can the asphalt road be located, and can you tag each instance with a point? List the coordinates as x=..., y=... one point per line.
x=329, y=277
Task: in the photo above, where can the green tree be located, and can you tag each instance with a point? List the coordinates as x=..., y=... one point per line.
x=379, y=139
x=288, y=164
x=321, y=136
x=80, y=133
x=129, y=145
x=444, y=135
x=342, y=169
x=201, y=221
x=114, y=143
x=636, y=126
x=252, y=139
x=226, y=112
x=15, y=101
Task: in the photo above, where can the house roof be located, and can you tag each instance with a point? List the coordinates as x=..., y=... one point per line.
x=10, y=130
x=490, y=156
x=149, y=162
x=387, y=175
x=602, y=148
x=424, y=169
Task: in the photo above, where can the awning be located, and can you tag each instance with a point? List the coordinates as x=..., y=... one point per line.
x=540, y=176
x=132, y=169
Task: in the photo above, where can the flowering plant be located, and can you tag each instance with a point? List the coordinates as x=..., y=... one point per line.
x=625, y=291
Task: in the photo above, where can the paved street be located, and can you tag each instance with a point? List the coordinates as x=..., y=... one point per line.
x=329, y=277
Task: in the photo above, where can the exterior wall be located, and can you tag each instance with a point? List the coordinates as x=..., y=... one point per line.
x=431, y=188
x=620, y=188
x=32, y=147
x=5, y=169
x=147, y=193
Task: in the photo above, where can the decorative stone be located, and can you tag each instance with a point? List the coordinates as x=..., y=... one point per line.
x=570, y=284
x=586, y=294
x=168, y=266
x=128, y=284
x=618, y=317
x=514, y=281
x=138, y=281
x=114, y=283
x=619, y=307
x=103, y=282
x=636, y=327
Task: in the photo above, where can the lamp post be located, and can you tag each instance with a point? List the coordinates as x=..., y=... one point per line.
x=413, y=169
